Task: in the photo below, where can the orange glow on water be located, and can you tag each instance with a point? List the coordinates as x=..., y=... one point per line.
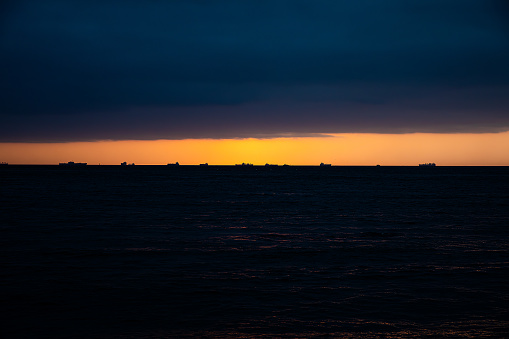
x=341, y=149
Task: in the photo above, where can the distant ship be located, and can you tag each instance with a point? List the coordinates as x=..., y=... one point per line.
x=286, y=165
x=205, y=164
x=73, y=164
x=244, y=164
x=126, y=164
x=3, y=164
x=428, y=164
x=270, y=165
x=325, y=165
x=175, y=164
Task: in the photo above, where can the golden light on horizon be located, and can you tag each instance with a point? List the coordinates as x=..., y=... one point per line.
x=490, y=149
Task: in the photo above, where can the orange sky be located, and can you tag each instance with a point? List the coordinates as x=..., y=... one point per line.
x=341, y=149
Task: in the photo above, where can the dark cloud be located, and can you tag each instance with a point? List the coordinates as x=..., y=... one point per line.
x=88, y=70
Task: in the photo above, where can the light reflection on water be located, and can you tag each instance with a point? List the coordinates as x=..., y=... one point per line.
x=352, y=329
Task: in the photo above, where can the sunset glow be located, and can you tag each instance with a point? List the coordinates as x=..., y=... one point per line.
x=490, y=149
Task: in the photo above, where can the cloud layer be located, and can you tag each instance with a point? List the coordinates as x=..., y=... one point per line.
x=92, y=70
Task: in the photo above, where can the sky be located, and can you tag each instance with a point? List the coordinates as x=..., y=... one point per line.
x=196, y=72
x=357, y=149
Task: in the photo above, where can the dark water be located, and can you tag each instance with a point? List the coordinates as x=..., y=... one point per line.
x=148, y=251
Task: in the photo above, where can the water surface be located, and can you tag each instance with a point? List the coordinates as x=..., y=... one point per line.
x=154, y=251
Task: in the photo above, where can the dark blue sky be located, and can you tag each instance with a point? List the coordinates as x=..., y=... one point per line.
x=91, y=70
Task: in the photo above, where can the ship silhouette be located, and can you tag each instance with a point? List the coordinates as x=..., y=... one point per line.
x=73, y=164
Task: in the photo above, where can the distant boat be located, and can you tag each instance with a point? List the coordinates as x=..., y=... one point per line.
x=126, y=164
x=325, y=165
x=3, y=164
x=175, y=164
x=377, y=165
x=270, y=165
x=73, y=164
x=244, y=165
x=205, y=164
x=427, y=164
x=286, y=165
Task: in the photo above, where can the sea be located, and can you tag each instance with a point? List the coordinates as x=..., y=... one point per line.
x=254, y=252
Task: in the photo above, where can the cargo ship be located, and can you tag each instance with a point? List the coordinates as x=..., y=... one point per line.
x=73, y=164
